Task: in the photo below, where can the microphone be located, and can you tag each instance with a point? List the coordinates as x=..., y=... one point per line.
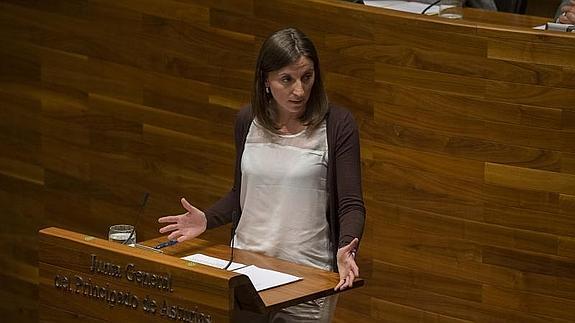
x=140, y=212
x=233, y=232
x=430, y=6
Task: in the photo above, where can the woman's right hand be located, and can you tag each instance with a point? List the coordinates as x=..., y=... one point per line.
x=185, y=226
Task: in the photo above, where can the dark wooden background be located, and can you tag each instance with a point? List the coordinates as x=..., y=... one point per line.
x=543, y=8
x=467, y=133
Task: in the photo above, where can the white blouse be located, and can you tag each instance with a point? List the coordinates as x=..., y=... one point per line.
x=284, y=196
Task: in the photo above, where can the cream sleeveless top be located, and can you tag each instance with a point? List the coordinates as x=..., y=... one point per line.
x=284, y=196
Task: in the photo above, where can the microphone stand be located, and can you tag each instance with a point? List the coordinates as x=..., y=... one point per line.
x=140, y=212
x=233, y=232
x=430, y=6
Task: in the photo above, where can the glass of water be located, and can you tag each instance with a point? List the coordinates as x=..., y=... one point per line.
x=122, y=233
x=452, y=9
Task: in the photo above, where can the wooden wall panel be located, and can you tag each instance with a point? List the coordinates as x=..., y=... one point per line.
x=467, y=131
x=542, y=8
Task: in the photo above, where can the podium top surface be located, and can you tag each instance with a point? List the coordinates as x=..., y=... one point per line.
x=67, y=254
x=315, y=283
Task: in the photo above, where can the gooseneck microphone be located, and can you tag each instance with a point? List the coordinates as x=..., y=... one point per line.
x=233, y=232
x=430, y=6
x=140, y=212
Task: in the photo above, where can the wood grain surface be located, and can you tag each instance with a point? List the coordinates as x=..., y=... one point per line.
x=467, y=131
x=83, y=277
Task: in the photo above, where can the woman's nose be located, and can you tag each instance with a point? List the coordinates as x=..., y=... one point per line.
x=298, y=88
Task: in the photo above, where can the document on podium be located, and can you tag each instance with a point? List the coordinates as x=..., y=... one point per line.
x=213, y=262
x=406, y=6
x=261, y=278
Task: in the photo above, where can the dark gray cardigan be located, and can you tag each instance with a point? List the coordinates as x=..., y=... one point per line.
x=346, y=212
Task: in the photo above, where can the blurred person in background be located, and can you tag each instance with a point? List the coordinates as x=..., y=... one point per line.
x=566, y=12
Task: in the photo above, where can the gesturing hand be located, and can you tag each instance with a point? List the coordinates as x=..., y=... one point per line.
x=185, y=226
x=346, y=265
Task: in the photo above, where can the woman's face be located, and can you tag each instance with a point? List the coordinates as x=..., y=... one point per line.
x=291, y=86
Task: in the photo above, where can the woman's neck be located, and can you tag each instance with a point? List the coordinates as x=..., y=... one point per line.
x=290, y=124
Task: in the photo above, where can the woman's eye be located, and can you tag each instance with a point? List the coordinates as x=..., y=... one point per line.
x=285, y=79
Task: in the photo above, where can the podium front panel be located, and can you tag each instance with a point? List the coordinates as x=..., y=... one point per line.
x=93, y=280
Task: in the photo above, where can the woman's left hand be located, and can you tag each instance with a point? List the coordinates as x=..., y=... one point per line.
x=346, y=265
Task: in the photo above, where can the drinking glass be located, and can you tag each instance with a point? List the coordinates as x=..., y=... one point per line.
x=122, y=233
x=452, y=9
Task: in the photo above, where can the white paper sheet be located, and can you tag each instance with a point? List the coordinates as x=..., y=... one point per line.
x=541, y=27
x=264, y=278
x=560, y=27
x=212, y=262
x=556, y=27
x=406, y=6
x=261, y=278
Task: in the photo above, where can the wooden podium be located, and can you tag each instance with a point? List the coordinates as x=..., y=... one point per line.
x=94, y=280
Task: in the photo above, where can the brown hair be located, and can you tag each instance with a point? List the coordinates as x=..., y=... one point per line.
x=281, y=49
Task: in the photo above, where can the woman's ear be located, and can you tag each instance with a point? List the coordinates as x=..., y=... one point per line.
x=267, y=87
